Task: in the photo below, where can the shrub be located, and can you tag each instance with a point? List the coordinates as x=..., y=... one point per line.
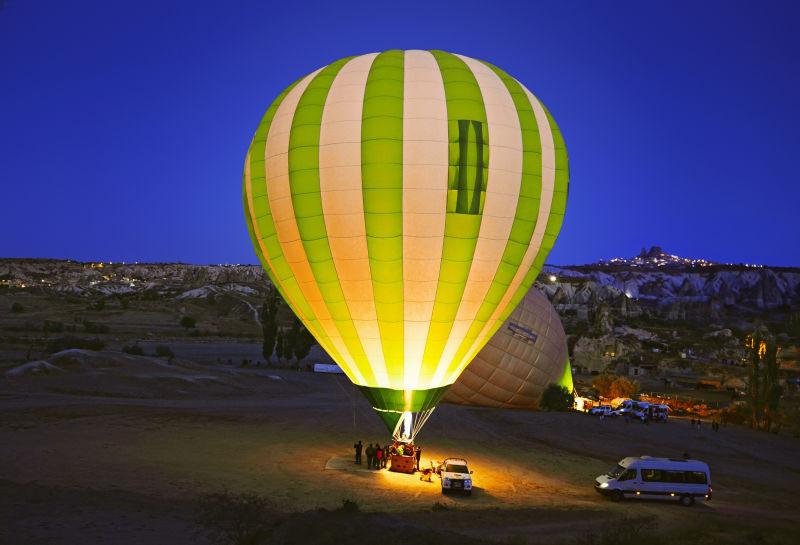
x=17, y=308
x=608, y=385
x=92, y=327
x=556, y=398
x=349, y=506
x=235, y=519
x=53, y=326
x=188, y=322
x=133, y=349
x=163, y=351
x=623, y=387
x=69, y=342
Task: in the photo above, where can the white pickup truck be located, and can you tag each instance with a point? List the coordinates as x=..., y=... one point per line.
x=455, y=475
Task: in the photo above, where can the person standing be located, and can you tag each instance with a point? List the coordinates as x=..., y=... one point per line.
x=378, y=457
x=418, y=454
x=358, y=447
x=370, y=452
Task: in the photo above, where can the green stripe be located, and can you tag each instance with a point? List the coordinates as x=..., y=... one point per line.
x=307, y=203
x=554, y=221
x=279, y=273
x=525, y=214
x=382, y=184
x=464, y=102
x=566, y=377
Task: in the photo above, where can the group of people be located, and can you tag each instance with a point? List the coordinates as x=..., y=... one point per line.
x=378, y=455
x=696, y=424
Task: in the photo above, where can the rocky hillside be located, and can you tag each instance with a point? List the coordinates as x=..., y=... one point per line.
x=161, y=279
x=652, y=307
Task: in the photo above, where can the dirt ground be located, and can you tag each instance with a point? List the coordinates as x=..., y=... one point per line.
x=95, y=468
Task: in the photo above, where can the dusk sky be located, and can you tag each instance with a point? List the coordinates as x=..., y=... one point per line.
x=124, y=125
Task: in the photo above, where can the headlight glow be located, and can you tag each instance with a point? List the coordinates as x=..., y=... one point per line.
x=603, y=485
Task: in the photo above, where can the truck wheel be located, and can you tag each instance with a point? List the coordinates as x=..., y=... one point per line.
x=687, y=500
x=616, y=495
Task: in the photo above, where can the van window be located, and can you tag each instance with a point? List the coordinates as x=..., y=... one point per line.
x=628, y=475
x=696, y=477
x=616, y=472
x=651, y=475
x=674, y=476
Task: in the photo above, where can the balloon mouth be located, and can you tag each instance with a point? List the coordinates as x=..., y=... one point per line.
x=404, y=411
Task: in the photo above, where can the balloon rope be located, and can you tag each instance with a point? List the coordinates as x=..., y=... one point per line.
x=422, y=417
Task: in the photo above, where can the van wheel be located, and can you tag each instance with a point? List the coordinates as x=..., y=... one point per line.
x=444, y=490
x=616, y=495
x=687, y=500
x=468, y=492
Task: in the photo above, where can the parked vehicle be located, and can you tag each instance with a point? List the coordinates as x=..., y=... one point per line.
x=658, y=412
x=604, y=410
x=657, y=478
x=456, y=476
x=624, y=407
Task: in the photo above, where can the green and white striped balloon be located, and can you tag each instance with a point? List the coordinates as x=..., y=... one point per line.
x=403, y=203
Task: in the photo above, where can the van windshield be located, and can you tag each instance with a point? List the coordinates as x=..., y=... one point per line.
x=615, y=472
x=456, y=468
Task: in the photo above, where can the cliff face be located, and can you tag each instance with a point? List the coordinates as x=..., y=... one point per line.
x=679, y=303
x=166, y=279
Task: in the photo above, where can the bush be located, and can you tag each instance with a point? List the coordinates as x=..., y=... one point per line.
x=69, y=342
x=235, y=519
x=163, y=351
x=91, y=327
x=53, y=326
x=133, y=349
x=556, y=398
x=188, y=322
x=608, y=385
x=349, y=506
x=17, y=308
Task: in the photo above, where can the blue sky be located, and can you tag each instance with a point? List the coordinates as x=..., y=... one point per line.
x=123, y=125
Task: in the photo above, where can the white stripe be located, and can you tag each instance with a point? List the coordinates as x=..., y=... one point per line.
x=502, y=194
x=425, y=169
x=343, y=203
x=280, y=201
x=545, y=202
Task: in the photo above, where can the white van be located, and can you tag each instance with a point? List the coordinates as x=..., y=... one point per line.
x=657, y=478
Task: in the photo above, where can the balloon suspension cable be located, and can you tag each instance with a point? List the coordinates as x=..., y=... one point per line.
x=422, y=417
x=409, y=424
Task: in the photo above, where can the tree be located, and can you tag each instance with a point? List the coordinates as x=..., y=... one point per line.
x=602, y=383
x=754, y=380
x=188, y=322
x=556, y=398
x=608, y=385
x=763, y=389
x=623, y=387
x=298, y=341
x=279, y=346
x=772, y=389
x=269, y=323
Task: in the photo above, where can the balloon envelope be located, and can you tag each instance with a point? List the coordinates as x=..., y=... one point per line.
x=403, y=203
x=527, y=354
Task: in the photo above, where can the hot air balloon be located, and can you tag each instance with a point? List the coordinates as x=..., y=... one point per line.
x=527, y=354
x=403, y=203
